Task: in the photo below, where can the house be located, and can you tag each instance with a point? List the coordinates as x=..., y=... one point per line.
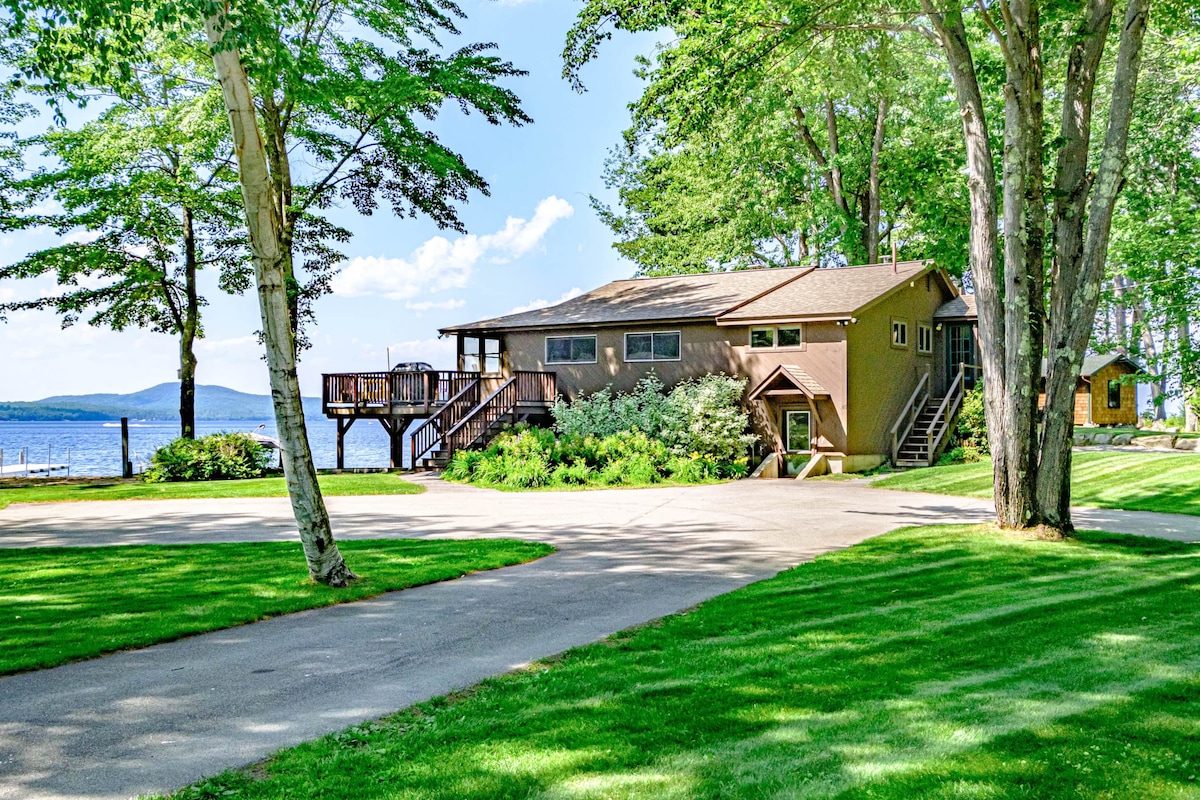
x=1104, y=395
x=845, y=367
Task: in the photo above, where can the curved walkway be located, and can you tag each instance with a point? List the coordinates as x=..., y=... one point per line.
x=155, y=719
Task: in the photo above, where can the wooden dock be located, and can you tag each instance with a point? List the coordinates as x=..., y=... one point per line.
x=33, y=470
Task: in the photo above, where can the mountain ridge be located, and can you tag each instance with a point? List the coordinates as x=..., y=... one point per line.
x=159, y=402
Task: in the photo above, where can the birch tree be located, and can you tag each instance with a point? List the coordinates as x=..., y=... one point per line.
x=253, y=38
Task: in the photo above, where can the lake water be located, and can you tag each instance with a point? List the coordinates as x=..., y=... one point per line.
x=94, y=448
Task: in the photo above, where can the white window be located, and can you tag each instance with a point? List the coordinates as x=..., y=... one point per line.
x=899, y=333
x=570, y=349
x=782, y=336
x=924, y=339
x=797, y=431
x=652, y=346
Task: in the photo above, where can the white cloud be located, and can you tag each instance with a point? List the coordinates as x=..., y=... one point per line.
x=441, y=353
x=81, y=236
x=429, y=305
x=236, y=344
x=7, y=295
x=534, y=305
x=440, y=264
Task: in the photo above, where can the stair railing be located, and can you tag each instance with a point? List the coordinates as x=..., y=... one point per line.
x=429, y=434
x=945, y=413
x=908, y=417
x=479, y=420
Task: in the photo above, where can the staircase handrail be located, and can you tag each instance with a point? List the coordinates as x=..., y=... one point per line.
x=505, y=395
x=437, y=423
x=947, y=409
x=908, y=417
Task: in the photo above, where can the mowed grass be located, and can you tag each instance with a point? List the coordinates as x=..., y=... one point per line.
x=116, y=489
x=1134, y=481
x=948, y=662
x=61, y=604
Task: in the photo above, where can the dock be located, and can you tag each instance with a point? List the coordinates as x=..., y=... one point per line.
x=33, y=470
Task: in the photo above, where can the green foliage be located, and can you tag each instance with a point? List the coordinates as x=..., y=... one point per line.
x=701, y=417
x=970, y=438
x=216, y=457
x=531, y=458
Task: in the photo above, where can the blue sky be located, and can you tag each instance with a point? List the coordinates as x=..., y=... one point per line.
x=535, y=240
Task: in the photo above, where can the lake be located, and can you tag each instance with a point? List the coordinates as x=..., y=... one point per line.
x=94, y=448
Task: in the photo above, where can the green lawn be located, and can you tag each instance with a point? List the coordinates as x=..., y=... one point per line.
x=951, y=662
x=1135, y=481
x=60, y=604
x=116, y=489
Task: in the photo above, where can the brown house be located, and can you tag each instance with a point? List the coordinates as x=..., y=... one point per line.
x=845, y=367
x=1104, y=395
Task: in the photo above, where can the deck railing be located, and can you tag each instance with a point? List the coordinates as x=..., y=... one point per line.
x=430, y=432
x=533, y=388
x=383, y=391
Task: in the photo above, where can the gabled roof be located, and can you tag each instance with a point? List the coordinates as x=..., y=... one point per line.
x=1094, y=363
x=961, y=307
x=725, y=297
x=826, y=293
x=789, y=375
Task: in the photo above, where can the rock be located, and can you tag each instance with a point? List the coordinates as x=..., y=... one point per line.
x=1159, y=442
x=1187, y=444
x=1081, y=439
x=1122, y=439
x=1101, y=438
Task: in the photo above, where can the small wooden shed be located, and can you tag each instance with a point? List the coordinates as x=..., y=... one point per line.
x=1104, y=395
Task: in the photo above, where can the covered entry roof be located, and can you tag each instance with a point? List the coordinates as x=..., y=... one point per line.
x=788, y=379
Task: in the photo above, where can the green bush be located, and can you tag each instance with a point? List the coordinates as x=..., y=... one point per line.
x=969, y=442
x=216, y=457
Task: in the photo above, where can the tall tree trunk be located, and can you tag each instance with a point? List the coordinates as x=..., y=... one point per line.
x=871, y=233
x=188, y=331
x=325, y=563
x=1121, y=311
x=1154, y=361
x=1081, y=247
x=281, y=177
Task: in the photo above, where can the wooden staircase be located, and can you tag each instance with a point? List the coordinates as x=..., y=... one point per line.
x=466, y=421
x=924, y=425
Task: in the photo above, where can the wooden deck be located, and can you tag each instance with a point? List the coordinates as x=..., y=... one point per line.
x=452, y=403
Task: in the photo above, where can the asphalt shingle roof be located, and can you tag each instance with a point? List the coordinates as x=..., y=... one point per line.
x=782, y=293
x=961, y=307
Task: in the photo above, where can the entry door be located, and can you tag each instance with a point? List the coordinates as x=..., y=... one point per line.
x=797, y=441
x=960, y=349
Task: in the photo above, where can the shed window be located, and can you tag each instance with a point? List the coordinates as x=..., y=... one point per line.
x=570, y=349
x=899, y=333
x=1114, y=394
x=652, y=346
x=924, y=339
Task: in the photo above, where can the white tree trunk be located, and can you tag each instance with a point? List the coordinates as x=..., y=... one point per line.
x=325, y=563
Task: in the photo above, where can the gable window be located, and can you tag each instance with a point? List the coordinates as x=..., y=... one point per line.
x=1114, y=394
x=481, y=354
x=782, y=336
x=652, y=346
x=570, y=349
x=899, y=333
x=924, y=339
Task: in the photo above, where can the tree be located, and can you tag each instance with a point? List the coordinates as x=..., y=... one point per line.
x=1152, y=292
x=149, y=185
x=1025, y=310
x=743, y=152
x=255, y=45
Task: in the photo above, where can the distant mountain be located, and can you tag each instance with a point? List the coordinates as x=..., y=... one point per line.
x=157, y=402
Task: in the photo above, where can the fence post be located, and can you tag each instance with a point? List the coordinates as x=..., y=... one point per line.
x=126, y=464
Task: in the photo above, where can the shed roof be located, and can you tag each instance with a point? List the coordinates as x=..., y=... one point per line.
x=1094, y=363
x=728, y=297
x=961, y=307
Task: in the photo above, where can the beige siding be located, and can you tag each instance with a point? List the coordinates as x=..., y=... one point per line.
x=881, y=377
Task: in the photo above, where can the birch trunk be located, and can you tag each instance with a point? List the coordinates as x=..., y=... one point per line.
x=325, y=563
x=1078, y=277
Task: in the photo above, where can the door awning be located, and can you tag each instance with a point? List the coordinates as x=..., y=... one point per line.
x=788, y=379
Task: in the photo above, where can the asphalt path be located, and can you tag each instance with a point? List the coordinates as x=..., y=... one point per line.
x=155, y=719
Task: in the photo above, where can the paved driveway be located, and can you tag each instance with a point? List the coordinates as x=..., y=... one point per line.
x=155, y=719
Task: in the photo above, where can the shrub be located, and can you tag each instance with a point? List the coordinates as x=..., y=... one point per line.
x=604, y=414
x=218, y=456
x=969, y=441
x=705, y=416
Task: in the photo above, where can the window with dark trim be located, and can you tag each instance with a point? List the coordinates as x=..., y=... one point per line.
x=481, y=354
x=899, y=333
x=659, y=346
x=570, y=349
x=1114, y=394
x=924, y=339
